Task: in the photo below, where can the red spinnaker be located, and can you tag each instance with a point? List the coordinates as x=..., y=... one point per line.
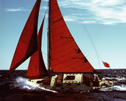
x=65, y=54
x=37, y=67
x=27, y=44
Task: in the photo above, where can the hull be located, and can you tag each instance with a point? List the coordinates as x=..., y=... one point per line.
x=72, y=82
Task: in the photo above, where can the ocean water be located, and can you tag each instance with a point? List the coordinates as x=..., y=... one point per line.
x=15, y=87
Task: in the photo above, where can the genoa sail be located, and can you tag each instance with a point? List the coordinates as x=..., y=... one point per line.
x=27, y=44
x=37, y=67
x=65, y=55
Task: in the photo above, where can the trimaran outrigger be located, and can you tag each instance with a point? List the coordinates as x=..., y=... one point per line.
x=64, y=56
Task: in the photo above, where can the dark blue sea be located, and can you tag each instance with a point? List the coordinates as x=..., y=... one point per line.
x=15, y=87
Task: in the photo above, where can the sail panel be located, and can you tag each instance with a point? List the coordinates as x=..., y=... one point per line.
x=65, y=54
x=27, y=44
x=37, y=67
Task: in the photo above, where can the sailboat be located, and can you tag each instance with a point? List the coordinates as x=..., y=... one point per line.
x=65, y=59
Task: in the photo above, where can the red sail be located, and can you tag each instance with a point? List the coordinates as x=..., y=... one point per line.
x=27, y=44
x=37, y=67
x=65, y=55
x=106, y=64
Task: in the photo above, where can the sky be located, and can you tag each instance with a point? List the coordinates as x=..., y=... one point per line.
x=98, y=27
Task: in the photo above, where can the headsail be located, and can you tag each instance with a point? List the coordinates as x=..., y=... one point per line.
x=37, y=67
x=27, y=44
x=65, y=55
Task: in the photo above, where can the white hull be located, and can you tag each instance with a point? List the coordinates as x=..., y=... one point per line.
x=74, y=82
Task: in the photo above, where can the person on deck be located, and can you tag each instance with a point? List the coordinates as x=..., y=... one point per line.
x=95, y=80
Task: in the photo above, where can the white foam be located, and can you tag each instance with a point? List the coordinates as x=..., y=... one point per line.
x=114, y=88
x=23, y=83
x=116, y=78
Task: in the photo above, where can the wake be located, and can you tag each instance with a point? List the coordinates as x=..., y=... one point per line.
x=120, y=84
x=118, y=78
x=114, y=88
x=24, y=84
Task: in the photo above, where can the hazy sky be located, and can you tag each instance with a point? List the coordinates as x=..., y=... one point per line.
x=105, y=21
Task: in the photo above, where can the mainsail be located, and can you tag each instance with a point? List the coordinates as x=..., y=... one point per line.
x=65, y=55
x=27, y=44
x=37, y=67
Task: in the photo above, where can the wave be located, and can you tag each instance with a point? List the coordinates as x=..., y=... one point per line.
x=114, y=88
x=23, y=83
x=119, y=78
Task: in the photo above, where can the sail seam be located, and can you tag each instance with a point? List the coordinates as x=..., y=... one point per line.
x=69, y=53
x=66, y=61
x=57, y=28
x=72, y=67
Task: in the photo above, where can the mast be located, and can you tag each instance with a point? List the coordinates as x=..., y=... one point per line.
x=48, y=39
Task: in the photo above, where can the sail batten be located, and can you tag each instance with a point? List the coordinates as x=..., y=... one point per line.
x=27, y=44
x=65, y=55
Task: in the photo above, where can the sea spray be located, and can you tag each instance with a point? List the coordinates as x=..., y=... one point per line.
x=23, y=83
x=118, y=78
x=119, y=83
x=114, y=88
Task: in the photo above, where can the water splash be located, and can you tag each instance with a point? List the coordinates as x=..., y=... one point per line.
x=114, y=88
x=120, y=83
x=23, y=83
x=118, y=78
